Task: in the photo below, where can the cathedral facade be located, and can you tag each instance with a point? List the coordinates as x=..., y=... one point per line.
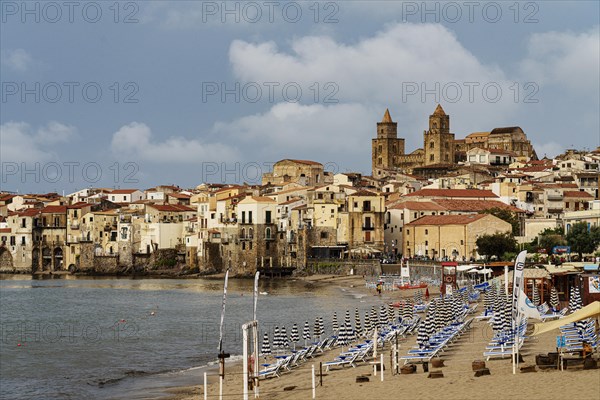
x=440, y=147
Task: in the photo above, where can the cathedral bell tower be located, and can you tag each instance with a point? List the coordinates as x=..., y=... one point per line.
x=438, y=142
x=386, y=147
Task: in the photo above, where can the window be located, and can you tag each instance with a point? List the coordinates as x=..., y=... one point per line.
x=268, y=233
x=431, y=158
x=431, y=145
x=267, y=217
x=23, y=223
x=426, y=243
x=250, y=233
x=407, y=232
x=324, y=235
x=408, y=242
x=249, y=217
x=12, y=241
x=22, y=240
x=366, y=205
x=462, y=242
x=243, y=245
x=243, y=217
x=427, y=231
x=75, y=213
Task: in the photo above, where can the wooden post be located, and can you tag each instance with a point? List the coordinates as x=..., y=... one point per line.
x=320, y=373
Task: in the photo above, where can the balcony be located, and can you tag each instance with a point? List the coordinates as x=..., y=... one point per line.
x=368, y=227
x=555, y=210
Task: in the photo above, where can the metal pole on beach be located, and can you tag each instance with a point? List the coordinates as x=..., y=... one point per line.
x=314, y=390
x=506, y=279
x=205, y=387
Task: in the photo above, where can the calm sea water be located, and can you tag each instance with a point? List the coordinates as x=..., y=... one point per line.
x=96, y=338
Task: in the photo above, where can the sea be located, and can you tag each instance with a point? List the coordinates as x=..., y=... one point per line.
x=67, y=337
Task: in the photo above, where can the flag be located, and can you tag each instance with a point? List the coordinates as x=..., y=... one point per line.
x=223, y=312
x=518, y=281
x=527, y=308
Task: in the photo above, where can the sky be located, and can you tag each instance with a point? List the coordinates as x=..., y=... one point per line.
x=137, y=94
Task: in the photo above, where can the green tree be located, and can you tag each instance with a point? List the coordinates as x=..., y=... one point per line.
x=548, y=242
x=506, y=215
x=496, y=244
x=583, y=240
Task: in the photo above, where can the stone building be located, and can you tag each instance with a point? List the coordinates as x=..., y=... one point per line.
x=451, y=237
x=441, y=150
x=304, y=172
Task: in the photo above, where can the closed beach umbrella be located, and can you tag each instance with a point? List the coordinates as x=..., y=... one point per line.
x=373, y=318
x=342, y=336
x=357, y=322
x=294, y=337
x=316, y=329
x=266, y=347
x=276, y=339
x=391, y=313
x=407, y=311
x=535, y=295
x=347, y=317
x=285, y=340
x=554, y=298
x=383, y=318
x=368, y=324
x=334, y=323
x=321, y=326
x=306, y=332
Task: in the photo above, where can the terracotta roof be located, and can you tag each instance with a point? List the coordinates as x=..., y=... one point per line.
x=474, y=205
x=386, y=117
x=171, y=207
x=123, y=191
x=439, y=110
x=577, y=194
x=290, y=201
x=447, y=219
x=363, y=193
x=54, y=210
x=508, y=129
x=79, y=205
x=474, y=134
x=179, y=195
x=452, y=193
x=418, y=206
x=262, y=199
x=28, y=212
x=307, y=162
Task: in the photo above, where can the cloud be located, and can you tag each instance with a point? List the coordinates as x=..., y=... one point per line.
x=548, y=149
x=406, y=67
x=335, y=133
x=566, y=59
x=21, y=143
x=18, y=60
x=136, y=140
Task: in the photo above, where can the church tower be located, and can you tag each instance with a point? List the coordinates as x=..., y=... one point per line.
x=438, y=142
x=386, y=147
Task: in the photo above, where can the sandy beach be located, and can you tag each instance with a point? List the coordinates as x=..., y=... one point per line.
x=458, y=381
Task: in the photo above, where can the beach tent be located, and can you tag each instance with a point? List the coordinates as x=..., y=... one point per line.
x=591, y=310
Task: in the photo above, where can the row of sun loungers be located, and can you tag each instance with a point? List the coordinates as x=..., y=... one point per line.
x=438, y=343
x=501, y=344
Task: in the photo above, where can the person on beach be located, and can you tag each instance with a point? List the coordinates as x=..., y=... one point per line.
x=379, y=289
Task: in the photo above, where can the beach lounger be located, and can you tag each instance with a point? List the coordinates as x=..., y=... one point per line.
x=342, y=361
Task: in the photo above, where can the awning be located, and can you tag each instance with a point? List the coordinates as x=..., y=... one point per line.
x=588, y=311
x=463, y=268
x=591, y=268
